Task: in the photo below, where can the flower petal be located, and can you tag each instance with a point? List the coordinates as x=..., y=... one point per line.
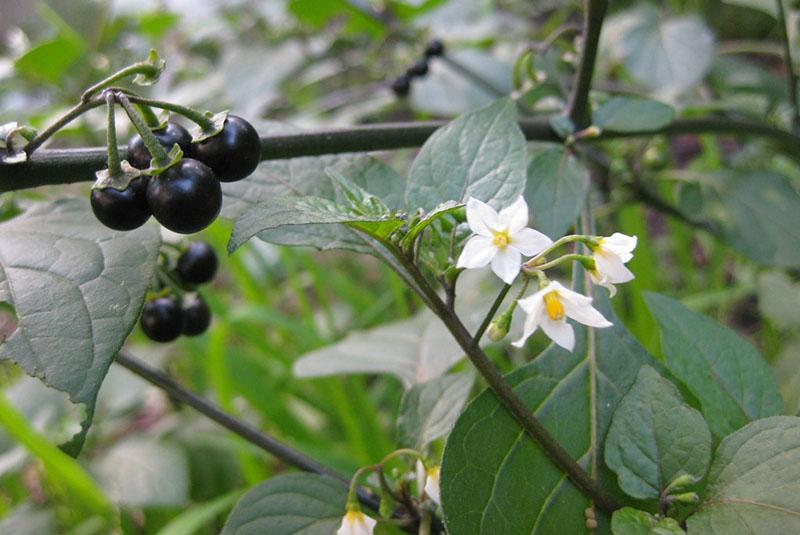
x=482, y=218
x=506, y=264
x=534, y=302
x=583, y=312
x=559, y=332
x=619, y=243
x=529, y=242
x=611, y=267
x=531, y=324
x=515, y=216
x=478, y=251
x=432, y=485
x=356, y=523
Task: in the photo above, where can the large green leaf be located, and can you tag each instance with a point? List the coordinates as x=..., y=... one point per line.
x=309, y=176
x=760, y=215
x=754, y=482
x=480, y=154
x=290, y=504
x=556, y=190
x=722, y=370
x=654, y=438
x=429, y=410
x=627, y=114
x=668, y=54
x=77, y=289
x=497, y=480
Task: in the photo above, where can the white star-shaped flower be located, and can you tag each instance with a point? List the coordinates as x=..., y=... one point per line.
x=549, y=309
x=432, y=484
x=610, y=256
x=356, y=523
x=500, y=238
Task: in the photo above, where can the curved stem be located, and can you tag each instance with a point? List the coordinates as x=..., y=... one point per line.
x=142, y=67
x=61, y=122
x=561, y=259
x=114, y=167
x=158, y=154
x=490, y=315
x=193, y=115
x=579, y=110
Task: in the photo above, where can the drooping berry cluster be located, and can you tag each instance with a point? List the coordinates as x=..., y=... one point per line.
x=402, y=84
x=186, y=196
x=167, y=316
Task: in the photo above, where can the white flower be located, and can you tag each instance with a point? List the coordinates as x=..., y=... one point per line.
x=501, y=239
x=421, y=475
x=549, y=307
x=432, y=484
x=356, y=523
x=610, y=256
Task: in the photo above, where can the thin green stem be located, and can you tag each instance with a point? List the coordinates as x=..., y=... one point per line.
x=114, y=167
x=490, y=315
x=158, y=154
x=193, y=115
x=579, y=109
x=142, y=67
x=533, y=263
x=352, y=494
x=562, y=259
x=61, y=122
x=791, y=73
x=149, y=116
x=402, y=451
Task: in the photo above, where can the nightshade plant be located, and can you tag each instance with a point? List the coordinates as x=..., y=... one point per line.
x=495, y=232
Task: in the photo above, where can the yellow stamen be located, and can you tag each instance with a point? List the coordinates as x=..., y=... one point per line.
x=501, y=239
x=553, y=305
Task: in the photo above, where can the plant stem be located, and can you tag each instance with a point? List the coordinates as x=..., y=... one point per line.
x=533, y=263
x=579, y=109
x=142, y=67
x=61, y=122
x=195, y=116
x=114, y=167
x=490, y=315
x=158, y=154
x=560, y=260
x=791, y=74
x=529, y=423
x=65, y=166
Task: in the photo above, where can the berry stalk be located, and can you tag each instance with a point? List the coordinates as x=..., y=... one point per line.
x=159, y=156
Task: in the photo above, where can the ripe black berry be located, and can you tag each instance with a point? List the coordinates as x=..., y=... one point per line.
x=420, y=68
x=122, y=209
x=167, y=136
x=196, y=316
x=232, y=154
x=435, y=48
x=186, y=197
x=401, y=85
x=162, y=319
x=197, y=264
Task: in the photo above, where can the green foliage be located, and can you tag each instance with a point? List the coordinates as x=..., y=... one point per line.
x=289, y=504
x=753, y=484
x=655, y=438
x=724, y=372
x=630, y=521
x=625, y=114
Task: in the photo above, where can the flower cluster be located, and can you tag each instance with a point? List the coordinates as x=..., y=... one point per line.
x=503, y=239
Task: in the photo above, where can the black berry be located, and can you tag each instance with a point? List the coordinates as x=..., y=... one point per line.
x=167, y=136
x=232, y=154
x=197, y=264
x=434, y=48
x=186, y=197
x=162, y=319
x=401, y=85
x=122, y=209
x=420, y=68
x=196, y=316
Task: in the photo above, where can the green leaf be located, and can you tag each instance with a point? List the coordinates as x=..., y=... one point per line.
x=375, y=177
x=306, y=176
x=556, y=190
x=441, y=210
x=144, y=472
x=754, y=482
x=480, y=154
x=289, y=504
x=630, y=521
x=668, y=54
x=193, y=519
x=721, y=369
x=77, y=289
x=778, y=297
x=626, y=114
x=271, y=214
x=654, y=438
x=60, y=468
x=50, y=60
x=760, y=216
x=496, y=479
x=429, y=410
x=765, y=6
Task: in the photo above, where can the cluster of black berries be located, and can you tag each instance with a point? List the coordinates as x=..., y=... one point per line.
x=402, y=84
x=186, y=197
x=165, y=318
